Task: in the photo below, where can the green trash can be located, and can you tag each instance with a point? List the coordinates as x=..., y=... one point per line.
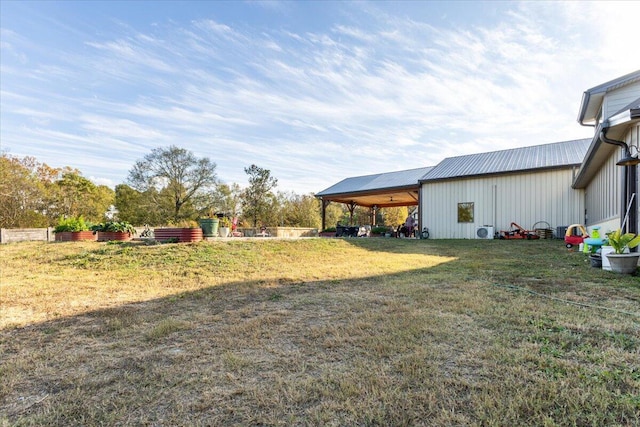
x=209, y=227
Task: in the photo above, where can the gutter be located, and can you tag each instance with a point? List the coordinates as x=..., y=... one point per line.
x=586, y=97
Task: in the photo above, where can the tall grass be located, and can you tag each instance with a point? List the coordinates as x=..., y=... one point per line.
x=316, y=332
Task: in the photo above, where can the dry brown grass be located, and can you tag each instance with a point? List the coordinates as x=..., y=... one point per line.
x=316, y=332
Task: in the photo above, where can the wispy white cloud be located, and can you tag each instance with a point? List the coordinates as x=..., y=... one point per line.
x=361, y=96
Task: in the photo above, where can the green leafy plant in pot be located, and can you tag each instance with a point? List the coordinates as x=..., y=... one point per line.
x=225, y=227
x=114, y=230
x=621, y=262
x=73, y=229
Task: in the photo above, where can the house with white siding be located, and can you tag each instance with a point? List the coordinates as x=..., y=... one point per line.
x=478, y=195
x=551, y=185
x=610, y=188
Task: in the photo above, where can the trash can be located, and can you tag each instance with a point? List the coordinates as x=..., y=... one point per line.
x=209, y=227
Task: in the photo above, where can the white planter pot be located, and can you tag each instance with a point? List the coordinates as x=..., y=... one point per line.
x=224, y=231
x=623, y=263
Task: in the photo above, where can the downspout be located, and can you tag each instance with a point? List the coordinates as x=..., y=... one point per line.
x=629, y=184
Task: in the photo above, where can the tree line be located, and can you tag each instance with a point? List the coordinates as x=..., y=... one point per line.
x=167, y=186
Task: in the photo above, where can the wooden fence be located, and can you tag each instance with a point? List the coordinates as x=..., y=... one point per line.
x=10, y=235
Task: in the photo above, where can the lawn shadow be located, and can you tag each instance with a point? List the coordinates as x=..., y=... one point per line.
x=280, y=351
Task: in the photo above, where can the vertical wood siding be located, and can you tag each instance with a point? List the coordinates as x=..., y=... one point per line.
x=501, y=199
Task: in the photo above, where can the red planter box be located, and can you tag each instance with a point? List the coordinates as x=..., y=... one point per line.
x=182, y=235
x=75, y=236
x=108, y=236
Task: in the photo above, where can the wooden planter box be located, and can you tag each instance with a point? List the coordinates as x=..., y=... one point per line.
x=108, y=236
x=181, y=235
x=75, y=236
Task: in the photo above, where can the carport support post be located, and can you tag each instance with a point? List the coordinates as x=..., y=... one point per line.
x=374, y=209
x=325, y=203
x=352, y=207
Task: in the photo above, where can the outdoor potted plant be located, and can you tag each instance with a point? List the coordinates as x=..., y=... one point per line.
x=114, y=231
x=224, y=227
x=73, y=229
x=209, y=226
x=621, y=262
x=185, y=231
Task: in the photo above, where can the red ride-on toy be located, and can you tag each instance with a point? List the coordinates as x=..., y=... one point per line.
x=576, y=233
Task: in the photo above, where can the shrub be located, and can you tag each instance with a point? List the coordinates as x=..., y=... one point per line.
x=185, y=223
x=379, y=230
x=71, y=224
x=115, y=226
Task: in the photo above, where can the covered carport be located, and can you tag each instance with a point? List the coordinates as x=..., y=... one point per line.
x=383, y=190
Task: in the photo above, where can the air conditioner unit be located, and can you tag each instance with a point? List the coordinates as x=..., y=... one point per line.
x=484, y=232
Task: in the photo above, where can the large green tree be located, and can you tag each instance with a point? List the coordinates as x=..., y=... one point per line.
x=300, y=211
x=226, y=199
x=22, y=193
x=33, y=194
x=75, y=195
x=142, y=208
x=258, y=201
x=395, y=216
x=176, y=172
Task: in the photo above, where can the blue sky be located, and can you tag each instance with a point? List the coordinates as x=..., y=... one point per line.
x=313, y=91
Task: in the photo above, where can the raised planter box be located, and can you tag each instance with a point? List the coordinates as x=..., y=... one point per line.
x=180, y=235
x=75, y=236
x=108, y=236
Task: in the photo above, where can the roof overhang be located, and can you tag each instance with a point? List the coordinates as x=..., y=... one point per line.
x=592, y=99
x=589, y=108
x=382, y=198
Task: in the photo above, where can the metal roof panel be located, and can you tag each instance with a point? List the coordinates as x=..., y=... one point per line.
x=558, y=154
x=377, y=181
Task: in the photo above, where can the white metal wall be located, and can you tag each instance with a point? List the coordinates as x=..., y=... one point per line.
x=603, y=194
x=524, y=198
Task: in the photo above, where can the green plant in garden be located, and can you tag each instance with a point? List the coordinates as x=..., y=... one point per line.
x=225, y=222
x=184, y=223
x=379, y=230
x=71, y=224
x=620, y=241
x=115, y=227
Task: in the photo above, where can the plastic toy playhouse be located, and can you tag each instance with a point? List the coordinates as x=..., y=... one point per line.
x=575, y=235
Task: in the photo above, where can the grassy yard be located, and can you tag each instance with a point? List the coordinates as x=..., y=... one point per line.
x=319, y=332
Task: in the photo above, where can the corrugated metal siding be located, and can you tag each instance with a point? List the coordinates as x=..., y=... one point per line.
x=615, y=100
x=603, y=194
x=377, y=181
x=499, y=200
x=518, y=159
